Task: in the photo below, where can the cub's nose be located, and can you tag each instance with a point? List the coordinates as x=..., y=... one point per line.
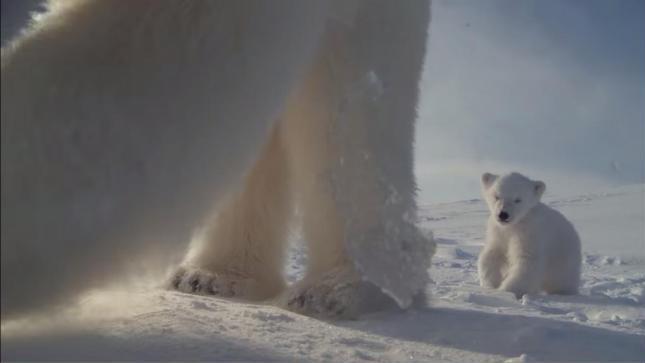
x=503, y=216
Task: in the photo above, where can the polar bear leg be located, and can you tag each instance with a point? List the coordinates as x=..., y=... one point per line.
x=490, y=264
x=121, y=125
x=310, y=151
x=242, y=251
x=349, y=131
x=327, y=289
x=563, y=280
x=524, y=276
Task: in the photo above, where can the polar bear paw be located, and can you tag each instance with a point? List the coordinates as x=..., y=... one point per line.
x=324, y=301
x=518, y=287
x=334, y=296
x=198, y=281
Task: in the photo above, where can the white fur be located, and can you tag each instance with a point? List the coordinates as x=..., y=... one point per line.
x=536, y=249
x=327, y=159
x=123, y=125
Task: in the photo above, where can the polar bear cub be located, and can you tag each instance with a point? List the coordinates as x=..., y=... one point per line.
x=530, y=247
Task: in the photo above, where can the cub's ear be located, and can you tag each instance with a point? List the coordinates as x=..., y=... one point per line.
x=488, y=179
x=540, y=187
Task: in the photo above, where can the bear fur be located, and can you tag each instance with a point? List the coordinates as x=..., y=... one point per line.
x=124, y=126
x=530, y=247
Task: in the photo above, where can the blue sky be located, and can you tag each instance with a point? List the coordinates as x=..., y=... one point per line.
x=551, y=88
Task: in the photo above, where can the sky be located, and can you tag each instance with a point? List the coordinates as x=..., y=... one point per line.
x=15, y=14
x=554, y=89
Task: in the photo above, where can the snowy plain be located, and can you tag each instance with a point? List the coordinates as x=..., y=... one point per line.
x=459, y=322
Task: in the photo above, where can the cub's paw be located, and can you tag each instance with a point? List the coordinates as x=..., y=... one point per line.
x=198, y=281
x=517, y=288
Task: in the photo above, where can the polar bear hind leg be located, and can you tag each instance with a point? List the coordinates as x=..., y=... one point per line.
x=328, y=289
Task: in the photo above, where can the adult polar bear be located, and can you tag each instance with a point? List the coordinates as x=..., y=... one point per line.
x=121, y=125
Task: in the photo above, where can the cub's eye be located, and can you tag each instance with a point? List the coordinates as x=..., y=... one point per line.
x=518, y=200
x=497, y=197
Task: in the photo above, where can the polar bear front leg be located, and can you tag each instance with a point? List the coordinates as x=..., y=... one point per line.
x=526, y=270
x=490, y=264
x=241, y=252
x=329, y=287
x=522, y=279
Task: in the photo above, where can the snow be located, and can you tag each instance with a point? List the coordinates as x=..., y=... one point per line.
x=460, y=322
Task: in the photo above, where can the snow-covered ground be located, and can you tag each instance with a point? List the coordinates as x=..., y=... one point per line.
x=461, y=322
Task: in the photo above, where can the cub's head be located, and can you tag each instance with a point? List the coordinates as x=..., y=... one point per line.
x=510, y=197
